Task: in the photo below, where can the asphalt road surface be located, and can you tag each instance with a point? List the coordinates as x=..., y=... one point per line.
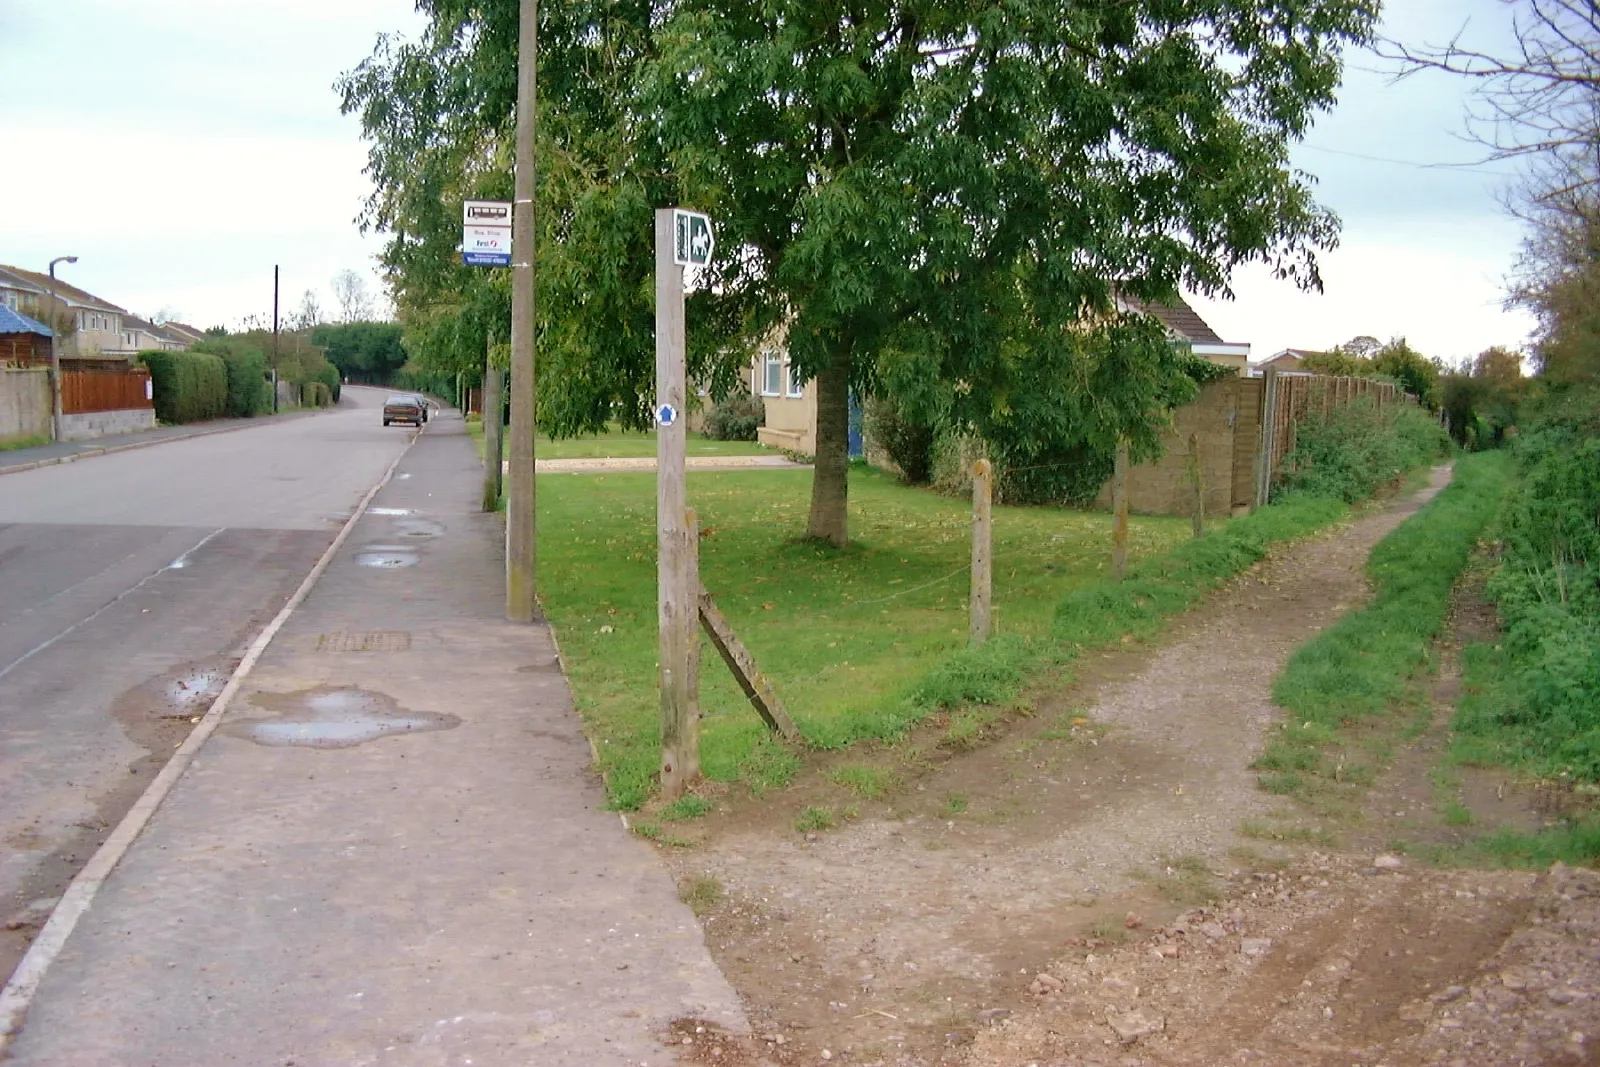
x=130, y=585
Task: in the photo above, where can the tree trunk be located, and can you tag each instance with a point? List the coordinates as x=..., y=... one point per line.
x=830, y=486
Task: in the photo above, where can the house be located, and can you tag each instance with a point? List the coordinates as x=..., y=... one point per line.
x=19, y=294
x=97, y=333
x=24, y=342
x=183, y=332
x=1287, y=360
x=791, y=405
x=1185, y=325
x=139, y=335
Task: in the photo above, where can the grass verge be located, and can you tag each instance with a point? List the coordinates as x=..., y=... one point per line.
x=1361, y=667
x=12, y=444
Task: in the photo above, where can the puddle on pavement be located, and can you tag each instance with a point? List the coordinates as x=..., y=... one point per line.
x=386, y=557
x=388, y=511
x=184, y=692
x=334, y=718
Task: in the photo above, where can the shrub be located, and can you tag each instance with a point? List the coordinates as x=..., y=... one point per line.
x=249, y=391
x=736, y=418
x=328, y=375
x=315, y=395
x=1355, y=451
x=1548, y=591
x=187, y=386
x=908, y=441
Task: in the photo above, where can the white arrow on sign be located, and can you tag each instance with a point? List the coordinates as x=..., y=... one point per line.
x=693, y=243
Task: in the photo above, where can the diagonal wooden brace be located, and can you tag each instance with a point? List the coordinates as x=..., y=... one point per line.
x=743, y=665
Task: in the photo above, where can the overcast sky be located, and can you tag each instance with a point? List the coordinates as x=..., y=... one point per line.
x=183, y=147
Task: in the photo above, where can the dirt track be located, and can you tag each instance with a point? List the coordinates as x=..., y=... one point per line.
x=1031, y=902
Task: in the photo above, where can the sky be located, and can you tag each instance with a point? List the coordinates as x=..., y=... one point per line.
x=182, y=148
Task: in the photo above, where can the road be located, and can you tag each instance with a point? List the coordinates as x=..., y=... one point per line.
x=130, y=585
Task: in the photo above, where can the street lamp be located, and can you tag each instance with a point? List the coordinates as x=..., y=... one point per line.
x=55, y=357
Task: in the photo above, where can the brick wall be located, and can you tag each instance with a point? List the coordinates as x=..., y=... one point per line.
x=1223, y=420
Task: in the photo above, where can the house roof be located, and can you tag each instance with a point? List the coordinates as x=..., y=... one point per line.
x=9, y=280
x=183, y=331
x=17, y=322
x=1177, y=316
x=1295, y=354
x=71, y=294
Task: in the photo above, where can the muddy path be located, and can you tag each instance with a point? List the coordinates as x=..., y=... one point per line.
x=902, y=934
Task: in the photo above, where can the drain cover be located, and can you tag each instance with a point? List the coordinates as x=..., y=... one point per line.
x=373, y=641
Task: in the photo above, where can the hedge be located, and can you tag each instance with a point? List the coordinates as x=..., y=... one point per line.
x=249, y=392
x=187, y=386
x=315, y=395
x=328, y=375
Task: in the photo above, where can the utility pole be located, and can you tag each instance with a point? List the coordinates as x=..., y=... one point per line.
x=274, y=338
x=521, y=594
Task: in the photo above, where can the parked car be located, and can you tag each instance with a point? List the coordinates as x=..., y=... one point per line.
x=403, y=407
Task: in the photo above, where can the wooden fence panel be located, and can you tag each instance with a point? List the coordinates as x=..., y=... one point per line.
x=83, y=392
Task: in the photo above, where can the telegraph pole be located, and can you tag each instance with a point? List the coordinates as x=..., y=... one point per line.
x=521, y=599
x=274, y=339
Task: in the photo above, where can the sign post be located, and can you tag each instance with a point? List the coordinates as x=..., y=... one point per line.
x=683, y=238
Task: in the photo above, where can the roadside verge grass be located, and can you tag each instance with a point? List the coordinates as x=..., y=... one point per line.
x=1360, y=667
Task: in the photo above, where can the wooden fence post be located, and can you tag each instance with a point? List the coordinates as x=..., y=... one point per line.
x=1119, y=509
x=1197, y=487
x=982, y=546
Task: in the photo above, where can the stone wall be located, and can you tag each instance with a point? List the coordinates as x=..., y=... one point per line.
x=24, y=402
x=106, y=423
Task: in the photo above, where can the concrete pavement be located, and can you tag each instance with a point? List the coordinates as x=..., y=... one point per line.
x=129, y=587
x=393, y=851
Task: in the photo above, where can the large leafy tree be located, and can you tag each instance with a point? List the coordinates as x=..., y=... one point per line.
x=952, y=201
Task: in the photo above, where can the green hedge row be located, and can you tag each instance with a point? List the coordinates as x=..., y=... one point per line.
x=187, y=386
x=315, y=395
x=249, y=390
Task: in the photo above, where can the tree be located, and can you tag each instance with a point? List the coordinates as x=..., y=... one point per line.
x=1538, y=102
x=926, y=197
x=309, y=314
x=355, y=303
x=167, y=313
x=1416, y=374
x=368, y=352
x=1363, y=346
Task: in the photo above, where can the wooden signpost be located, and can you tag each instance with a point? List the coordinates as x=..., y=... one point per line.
x=683, y=239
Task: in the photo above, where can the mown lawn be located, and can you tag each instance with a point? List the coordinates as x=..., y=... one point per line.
x=843, y=635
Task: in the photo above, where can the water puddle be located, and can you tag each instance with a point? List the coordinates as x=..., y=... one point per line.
x=388, y=511
x=386, y=557
x=191, y=691
x=334, y=718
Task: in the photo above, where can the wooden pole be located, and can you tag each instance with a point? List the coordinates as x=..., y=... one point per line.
x=1197, y=488
x=1119, y=510
x=493, y=408
x=522, y=602
x=982, y=550
x=677, y=607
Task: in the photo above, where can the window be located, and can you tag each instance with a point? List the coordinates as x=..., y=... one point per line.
x=83, y=320
x=792, y=385
x=9, y=299
x=771, y=373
